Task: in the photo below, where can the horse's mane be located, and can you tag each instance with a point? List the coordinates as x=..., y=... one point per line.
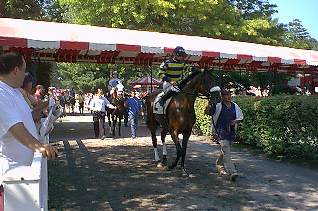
x=184, y=82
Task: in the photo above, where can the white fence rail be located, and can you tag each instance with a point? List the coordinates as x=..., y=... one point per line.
x=26, y=187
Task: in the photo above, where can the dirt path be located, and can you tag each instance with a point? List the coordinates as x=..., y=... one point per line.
x=91, y=174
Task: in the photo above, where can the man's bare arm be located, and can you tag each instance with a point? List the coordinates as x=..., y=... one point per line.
x=24, y=137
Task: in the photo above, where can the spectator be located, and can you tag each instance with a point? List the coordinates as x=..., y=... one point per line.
x=225, y=116
x=39, y=93
x=18, y=134
x=35, y=107
x=26, y=90
x=62, y=101
x=51, y=98
x=134, y=105
x=98, y=105
x=72, y=100
x=81, y=100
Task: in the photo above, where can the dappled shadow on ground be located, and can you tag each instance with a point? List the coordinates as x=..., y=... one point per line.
x=123, y=177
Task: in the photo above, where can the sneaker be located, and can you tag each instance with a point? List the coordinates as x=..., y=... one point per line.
x=103, y=137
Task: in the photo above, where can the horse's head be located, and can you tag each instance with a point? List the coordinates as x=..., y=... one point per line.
x=208, y=86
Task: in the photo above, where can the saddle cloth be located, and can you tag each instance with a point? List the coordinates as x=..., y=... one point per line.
x=157, y=108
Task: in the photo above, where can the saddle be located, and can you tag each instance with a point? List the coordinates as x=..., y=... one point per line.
x=157, y=108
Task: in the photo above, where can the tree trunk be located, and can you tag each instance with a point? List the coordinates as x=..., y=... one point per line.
x=2, y=9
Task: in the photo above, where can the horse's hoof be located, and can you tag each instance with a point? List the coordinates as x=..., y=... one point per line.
x=170, y=168
x=233, y=177
x=164, y=160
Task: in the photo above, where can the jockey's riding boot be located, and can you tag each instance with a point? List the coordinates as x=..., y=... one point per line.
x=166, y=97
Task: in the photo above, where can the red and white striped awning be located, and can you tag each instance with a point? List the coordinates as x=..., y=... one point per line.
x=62, y=42
x=146, y=81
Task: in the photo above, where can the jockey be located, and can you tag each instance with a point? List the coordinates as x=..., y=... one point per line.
x=115, y=83
x=120, y=88
x=172, y=71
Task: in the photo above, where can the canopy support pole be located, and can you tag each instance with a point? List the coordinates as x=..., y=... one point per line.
x=151, y=74
x=220, y=81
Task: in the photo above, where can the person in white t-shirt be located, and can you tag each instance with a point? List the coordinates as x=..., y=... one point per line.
x=18, y=134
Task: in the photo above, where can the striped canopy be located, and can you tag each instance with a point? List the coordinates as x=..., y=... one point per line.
x=147, y=81
x=60, y=42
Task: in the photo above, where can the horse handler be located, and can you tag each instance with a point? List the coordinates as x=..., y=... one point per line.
x=98, y=105
x=225, y=116
x=134, y=106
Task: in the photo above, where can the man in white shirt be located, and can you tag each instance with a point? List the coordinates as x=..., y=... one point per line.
x=98, y=105
x=18, y=133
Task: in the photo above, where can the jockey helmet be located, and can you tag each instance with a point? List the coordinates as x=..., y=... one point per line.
x=178, y=51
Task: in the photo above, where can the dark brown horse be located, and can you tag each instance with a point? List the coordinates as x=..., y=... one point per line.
x=116, y=115
x=180, y=114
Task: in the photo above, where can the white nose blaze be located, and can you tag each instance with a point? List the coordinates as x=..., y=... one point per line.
x=215, y=89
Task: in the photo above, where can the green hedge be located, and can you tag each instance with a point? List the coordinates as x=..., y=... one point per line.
x=280, y=125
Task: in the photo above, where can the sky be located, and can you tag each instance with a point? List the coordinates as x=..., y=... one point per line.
x=304, y=10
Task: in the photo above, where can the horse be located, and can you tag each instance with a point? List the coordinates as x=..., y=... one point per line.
x=116, y=115
x=180, y=115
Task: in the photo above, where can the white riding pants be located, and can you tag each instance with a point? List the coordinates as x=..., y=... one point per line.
x=168, y=86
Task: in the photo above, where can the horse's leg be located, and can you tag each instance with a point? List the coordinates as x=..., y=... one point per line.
x=152, y=126
x=164, y=132
x=119, y=126
x=114, y=120
x=109, y=122
x=184, y=149
x=174, y=136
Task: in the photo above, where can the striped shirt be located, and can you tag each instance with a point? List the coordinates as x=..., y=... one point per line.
x=174, y=70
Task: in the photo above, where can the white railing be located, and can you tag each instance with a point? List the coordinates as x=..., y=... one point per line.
x=25, y=188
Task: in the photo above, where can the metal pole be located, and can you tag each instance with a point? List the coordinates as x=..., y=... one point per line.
x=151, y=73
x=220, y=74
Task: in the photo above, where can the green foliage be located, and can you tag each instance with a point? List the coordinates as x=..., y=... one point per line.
x=27, y=9
x=283, y=125
x=203, y=122
x=297, y=36
x=219, y=19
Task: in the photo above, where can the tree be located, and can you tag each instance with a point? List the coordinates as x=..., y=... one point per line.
x=297, y=29
x=297, y=36
x=53, y=11
x=216, y=18
x=27, y=9
x=253, y=9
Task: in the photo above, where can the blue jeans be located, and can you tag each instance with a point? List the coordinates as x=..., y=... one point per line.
x=133, y=124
